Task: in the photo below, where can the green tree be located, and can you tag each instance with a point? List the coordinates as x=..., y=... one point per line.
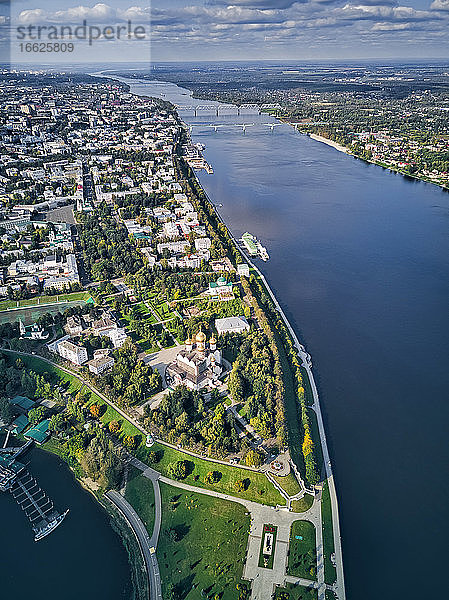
x=254, y=458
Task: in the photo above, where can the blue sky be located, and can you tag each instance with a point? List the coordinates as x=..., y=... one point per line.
x=262, y=29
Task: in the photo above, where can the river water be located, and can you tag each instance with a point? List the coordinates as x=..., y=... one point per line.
x=360, y=263
x=84, y=558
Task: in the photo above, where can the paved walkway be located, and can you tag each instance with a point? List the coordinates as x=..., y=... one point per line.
x=144, y=540
x=263, y=580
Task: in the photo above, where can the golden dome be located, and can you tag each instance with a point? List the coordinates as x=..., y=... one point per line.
x=212, y=340
x=200, y=336
x=188, y=341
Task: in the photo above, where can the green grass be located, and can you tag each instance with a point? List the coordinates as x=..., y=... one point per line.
x=307, y=387
x=259, y=490
x=140, y=494
x=73, y=297
x=38, y=365
x=289, y=483
x=230, y=474
x=209, y=551
x=302, y=552
x=291, y=403
x=296, y=592
x=302, y=504
x=269, y=563
x=330, y=595
x=330, y=573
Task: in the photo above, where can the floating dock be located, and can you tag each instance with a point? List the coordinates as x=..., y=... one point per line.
x=16, y=479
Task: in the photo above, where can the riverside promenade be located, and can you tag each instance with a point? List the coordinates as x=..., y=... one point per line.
x=339, y=586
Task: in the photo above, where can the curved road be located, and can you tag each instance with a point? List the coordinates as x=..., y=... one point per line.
x=145, y=542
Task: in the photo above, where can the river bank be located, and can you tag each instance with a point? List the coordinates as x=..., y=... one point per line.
x=328, y=142
x=384, y=165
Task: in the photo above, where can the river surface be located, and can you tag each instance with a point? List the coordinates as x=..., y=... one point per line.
x=82, y=559
x=360, y=263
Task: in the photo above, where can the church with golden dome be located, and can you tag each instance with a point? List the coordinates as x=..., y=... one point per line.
x=198, y=365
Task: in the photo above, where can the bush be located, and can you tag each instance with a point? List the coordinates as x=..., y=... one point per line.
x=178, y=469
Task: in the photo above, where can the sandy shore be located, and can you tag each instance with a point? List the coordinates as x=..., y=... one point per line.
x=320, y=138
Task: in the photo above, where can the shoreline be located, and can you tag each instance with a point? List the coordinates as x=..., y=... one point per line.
x=345, y=150
x=331, y=143
x=306, y=363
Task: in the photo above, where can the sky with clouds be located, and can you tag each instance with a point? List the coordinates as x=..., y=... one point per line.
x=264, y=29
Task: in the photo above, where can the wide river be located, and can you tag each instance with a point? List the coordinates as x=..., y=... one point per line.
x=360, y=262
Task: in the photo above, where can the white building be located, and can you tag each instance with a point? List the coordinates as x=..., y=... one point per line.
x=243, y=269
x=203, y=243
x=117, y=336
x=72, y=352
x=231, y=325
x=99, y=365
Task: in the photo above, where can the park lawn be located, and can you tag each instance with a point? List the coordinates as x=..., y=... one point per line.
x=72, y=297
x=230, y=474
x=307, y=387
x=289, y=484
x=330, y=595
x=295, y=592
x=140, y=494
x=38, y=365
x=302, y=504
x=330, y=573
x=166, y=312
x=110, y=414
x=302, y=552
x=209, y=551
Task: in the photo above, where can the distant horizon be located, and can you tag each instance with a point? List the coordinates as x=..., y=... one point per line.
x=402, y=60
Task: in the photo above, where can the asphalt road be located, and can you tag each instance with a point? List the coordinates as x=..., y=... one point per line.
x=145, y=543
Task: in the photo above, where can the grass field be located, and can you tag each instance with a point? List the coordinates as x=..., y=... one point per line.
x=330, y=595
x=302, y=504
x=40, y=366
x=73, y=297
x=202, y=545
x=259, y=488
x=316, y=440
x=302, y=552
x=140, y=494
x=296, y=592
x=330, y=573
x=289, y=484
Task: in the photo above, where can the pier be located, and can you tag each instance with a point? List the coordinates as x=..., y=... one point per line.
x=16, y=479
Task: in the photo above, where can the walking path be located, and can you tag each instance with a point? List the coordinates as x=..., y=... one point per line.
x=263, y=580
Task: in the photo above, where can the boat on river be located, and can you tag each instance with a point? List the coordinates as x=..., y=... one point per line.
x=254, y=247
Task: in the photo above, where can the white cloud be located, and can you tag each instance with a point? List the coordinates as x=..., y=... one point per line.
x=440, y=5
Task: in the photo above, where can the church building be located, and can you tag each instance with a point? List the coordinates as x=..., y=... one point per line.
x=198, y=365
